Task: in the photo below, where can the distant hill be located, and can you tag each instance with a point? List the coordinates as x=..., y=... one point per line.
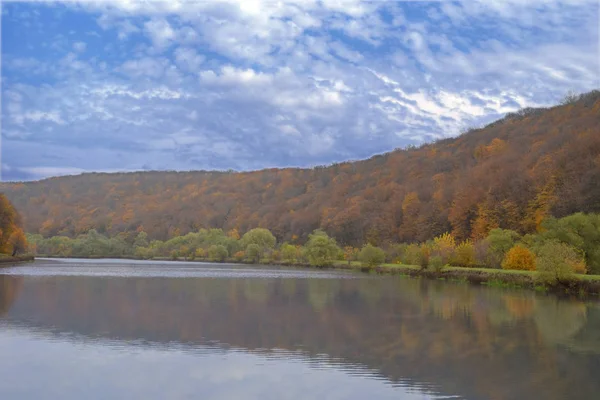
x=510, y=174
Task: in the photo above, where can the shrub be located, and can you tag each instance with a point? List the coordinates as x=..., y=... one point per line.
x=200, y=253
x=412, y=255
x=464, y=254
x=217, y=252
x=581, y=231
x=288, y=252
x=444, y=246
x=557, y=262
x=425, y=250
x=143, y=253
x=239, y=256
x=519, y=258
x=436, y=263
x=253, y=253
x=321, y=250
x=350, y=254
x=371, y=256
x=395, y=253
x=275, y=255
x=500, y=241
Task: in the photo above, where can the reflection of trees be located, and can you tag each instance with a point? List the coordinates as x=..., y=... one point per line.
x=559, y=320
x=477, y=342
x=9, y=290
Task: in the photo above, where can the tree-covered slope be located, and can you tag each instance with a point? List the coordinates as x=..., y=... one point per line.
x=510, y=174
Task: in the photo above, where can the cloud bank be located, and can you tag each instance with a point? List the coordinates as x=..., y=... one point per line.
x=224, y=84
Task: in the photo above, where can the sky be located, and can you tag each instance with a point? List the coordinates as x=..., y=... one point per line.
x=124, y=85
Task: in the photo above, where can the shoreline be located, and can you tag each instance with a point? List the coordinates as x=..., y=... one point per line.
x=581, y=285
x=15, y=260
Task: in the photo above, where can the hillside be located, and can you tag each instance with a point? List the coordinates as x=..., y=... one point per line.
x=510, y=174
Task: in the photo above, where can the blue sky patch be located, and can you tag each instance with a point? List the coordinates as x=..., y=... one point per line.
x=119, y=85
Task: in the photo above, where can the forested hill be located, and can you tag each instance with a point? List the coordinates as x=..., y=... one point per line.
x=510, y=174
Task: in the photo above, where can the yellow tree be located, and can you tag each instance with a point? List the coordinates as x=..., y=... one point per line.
x=17, y=242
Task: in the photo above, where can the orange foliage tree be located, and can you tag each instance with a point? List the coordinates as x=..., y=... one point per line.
x=519, y=258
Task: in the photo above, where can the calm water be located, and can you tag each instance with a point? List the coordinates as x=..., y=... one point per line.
x=149, y=330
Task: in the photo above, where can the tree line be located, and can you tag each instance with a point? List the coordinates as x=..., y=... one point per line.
x=562, y=247
x=513, y=175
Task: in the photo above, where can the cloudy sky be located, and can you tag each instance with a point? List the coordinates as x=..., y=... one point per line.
x=121, y=85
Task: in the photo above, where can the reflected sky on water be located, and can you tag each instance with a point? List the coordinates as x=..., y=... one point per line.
x=119, y=329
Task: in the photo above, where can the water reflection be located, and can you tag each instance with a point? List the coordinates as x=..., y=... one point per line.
x=433, y=337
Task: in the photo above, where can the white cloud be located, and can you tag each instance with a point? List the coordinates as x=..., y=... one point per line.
x=38, y=116
x=79, y=47
x=160, y=32
x=230, y=75
x=212, y=84
x=188, y=59
x=148, y=67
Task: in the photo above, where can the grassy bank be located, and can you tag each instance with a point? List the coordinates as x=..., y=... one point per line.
x=6, y=259
x=578, y=284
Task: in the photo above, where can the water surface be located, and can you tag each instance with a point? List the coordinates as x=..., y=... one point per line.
x=116, y=329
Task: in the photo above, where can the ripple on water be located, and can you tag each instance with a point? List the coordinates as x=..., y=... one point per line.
x=170, y=269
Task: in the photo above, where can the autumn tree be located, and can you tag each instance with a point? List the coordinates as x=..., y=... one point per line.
x=500, y=241
x=350, y=253
x=9, y=223
x=519, y=258
x=513, y=174
x=17, y=242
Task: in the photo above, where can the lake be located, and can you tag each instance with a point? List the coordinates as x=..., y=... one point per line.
x=114, y=329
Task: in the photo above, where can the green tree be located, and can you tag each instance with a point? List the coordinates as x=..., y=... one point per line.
x=321, y=250
x=253, y=253
x=581, y=231
x=557, y=262
x=464, y=254
x=371, y=256
x=436, y=263
x=412, y=255
x=289, y=252
x=141, y=240
x=259, y=236
x=217, y=252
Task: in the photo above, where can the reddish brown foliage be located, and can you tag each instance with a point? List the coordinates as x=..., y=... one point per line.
x=511, y=174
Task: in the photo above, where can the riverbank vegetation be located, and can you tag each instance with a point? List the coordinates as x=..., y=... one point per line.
x=13, y=243
x=563, y=250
